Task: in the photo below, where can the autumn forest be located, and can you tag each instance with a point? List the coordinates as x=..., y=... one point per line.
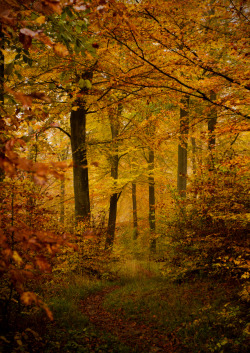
x=124, y=176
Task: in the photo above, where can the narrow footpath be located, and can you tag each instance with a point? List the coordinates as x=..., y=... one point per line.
x=141, y=338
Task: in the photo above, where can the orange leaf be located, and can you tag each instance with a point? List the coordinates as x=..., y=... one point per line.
x=60, y=50
x=28, y=298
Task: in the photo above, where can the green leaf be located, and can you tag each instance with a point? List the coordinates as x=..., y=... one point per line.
x=81, y=83
x=52, y=85
x=33, y=16
x=25, y=58
x=77, y=49
x=30, y=61
x=9, y=68
x=88, y=84
x=84, y=83
x=62, y=76
x=63, y=15
x=69, y=13
x=20, y=77
x=78, y=43
x=78, y=29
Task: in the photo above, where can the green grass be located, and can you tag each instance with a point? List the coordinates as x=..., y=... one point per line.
x=205, y=315
x=70, y=331
x=200, y=313
x=74, y=332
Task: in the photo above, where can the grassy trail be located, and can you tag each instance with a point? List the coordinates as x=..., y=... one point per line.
x=138, y=336
x=140, y=312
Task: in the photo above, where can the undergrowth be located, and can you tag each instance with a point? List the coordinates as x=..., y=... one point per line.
x=202, y=313
x=70, y=331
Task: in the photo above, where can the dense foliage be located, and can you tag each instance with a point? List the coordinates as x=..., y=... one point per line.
x=124, y=138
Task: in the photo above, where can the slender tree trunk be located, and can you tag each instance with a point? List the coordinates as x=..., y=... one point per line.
x=31, y=201
x=114, y=197
x=80, y=164
x=114, y=123
x=211, y=133
x=134, y=202
x=63, y=157
x=79, y=155
x=182, y=148
x=194, y=166
x=1, y=97
x=62, y=198
x=151, y=191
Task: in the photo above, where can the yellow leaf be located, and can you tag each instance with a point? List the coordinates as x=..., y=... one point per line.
x=60, y=50
x=17, y=258
x=29, y=297
x=246, y=275
x=40, y=20
x=2, y=338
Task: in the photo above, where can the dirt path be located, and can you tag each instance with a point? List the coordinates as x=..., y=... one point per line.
x=132, y=333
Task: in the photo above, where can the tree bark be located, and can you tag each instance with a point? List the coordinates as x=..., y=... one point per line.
x=151, y=191
x=211, y=134
x=1, y=97
x=135, y=221
x=80, y=164
x=79, y=155
x=194, y=166
x=114, y=124
x=62, y=198
x=182, y=148
x=63, y=157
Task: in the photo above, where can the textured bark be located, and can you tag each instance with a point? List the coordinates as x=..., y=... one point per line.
x=182, y=148
x=194, y=166
x=134, y=202
x=151, y=191
x=1, y=97
x=211, y=132
x=112, y=221
x=114, y=124
x=79, y=155
x=63, y=157
x=80, y=165
x=62, y=198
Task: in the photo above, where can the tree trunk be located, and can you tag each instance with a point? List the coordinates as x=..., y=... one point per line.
x=80, y=164
x=182, y=148
x=62, y=197
x=211, y=134
x=135, y=222
x=1, y=97
x=79, y=155
x=112, y=221
x=194, y=166
x=114, y=123
x=63, y=157
x=151, y=191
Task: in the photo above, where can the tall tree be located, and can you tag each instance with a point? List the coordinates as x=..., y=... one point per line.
x=1, y=97
x=79, y=152
x=151, y=198
x=182, y=148
x=115, y=125
x=212, y=120
x=135, y=218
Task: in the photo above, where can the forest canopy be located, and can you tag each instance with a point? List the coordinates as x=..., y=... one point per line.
x=124, y=132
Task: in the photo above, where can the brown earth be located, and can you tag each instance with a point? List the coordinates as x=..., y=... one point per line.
x=140, y=337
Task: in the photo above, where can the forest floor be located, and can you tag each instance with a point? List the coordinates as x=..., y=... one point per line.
x=139, y=313
x=142, y=337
